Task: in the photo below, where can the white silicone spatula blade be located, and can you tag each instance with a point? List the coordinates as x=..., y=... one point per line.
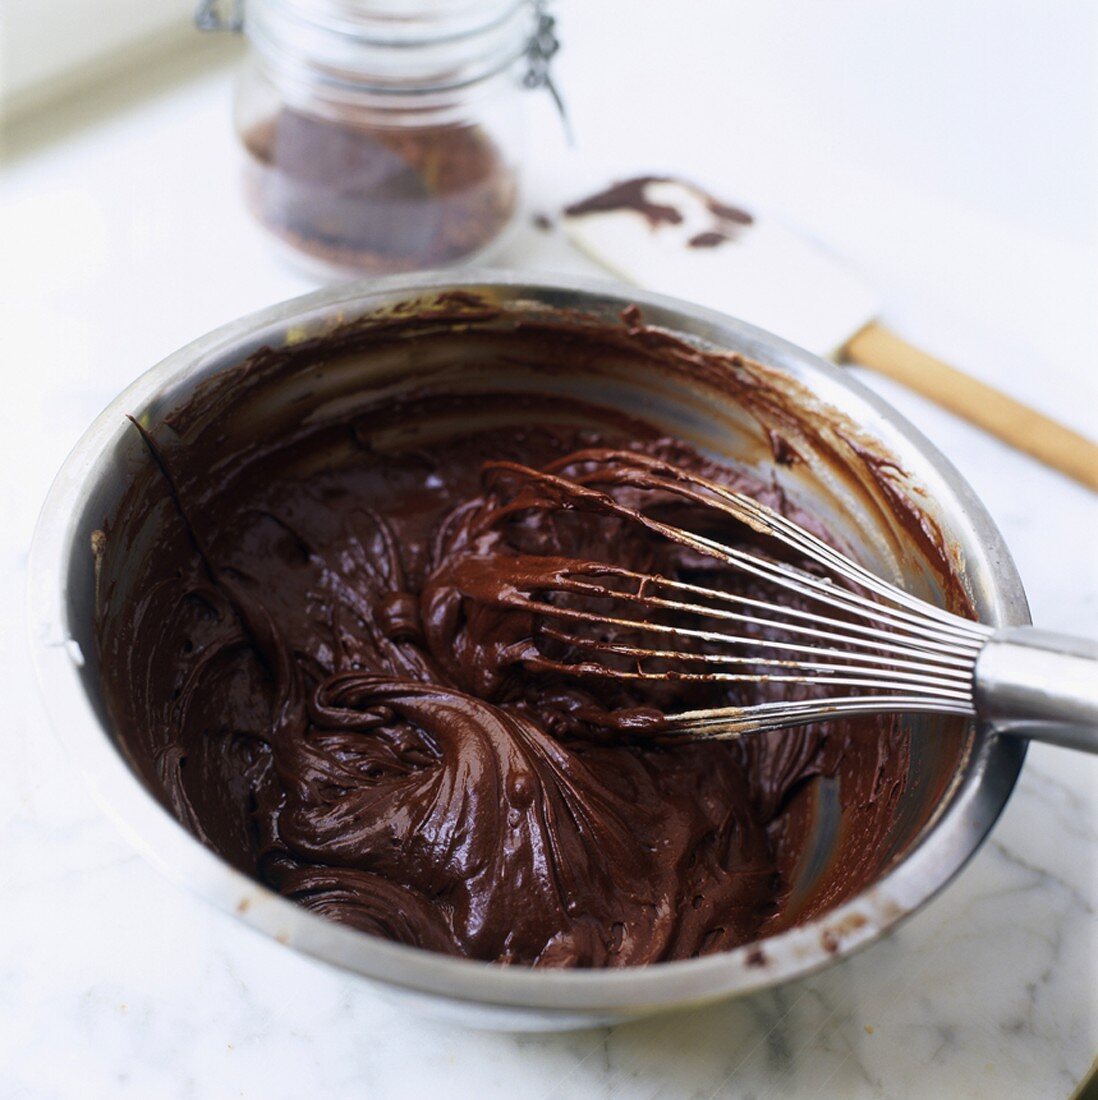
x=761, y=272
x=672, y=237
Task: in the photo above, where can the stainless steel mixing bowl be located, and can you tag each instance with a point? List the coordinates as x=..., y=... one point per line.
x=939, y=838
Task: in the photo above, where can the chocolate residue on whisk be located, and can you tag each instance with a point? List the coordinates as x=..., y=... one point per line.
x=292, y=668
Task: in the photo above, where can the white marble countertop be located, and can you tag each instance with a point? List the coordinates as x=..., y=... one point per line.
x=123, y=239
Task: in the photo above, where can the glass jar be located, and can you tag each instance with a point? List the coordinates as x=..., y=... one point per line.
x=386, y=135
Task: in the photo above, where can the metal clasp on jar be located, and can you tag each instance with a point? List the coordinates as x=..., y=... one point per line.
x=208, y=15
x=541, y=47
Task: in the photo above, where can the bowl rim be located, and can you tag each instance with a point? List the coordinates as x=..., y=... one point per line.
x=935, y=859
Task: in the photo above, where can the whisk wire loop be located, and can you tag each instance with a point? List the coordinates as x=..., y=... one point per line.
x=902, y=652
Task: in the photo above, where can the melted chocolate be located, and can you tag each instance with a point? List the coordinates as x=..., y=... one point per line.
x=628, y=195
x=302, y=671
x=632, y=194
x=709, y=239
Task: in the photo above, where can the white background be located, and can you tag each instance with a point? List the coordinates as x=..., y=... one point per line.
x=948, y=149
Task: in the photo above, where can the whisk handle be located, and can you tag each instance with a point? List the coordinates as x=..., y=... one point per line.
x=1041, y=685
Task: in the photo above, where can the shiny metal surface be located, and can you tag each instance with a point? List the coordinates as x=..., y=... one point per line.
x=481, y=994
x=1040, y=684
x=889, y=651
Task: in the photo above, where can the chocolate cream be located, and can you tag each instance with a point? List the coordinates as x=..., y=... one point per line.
x=308, y=657
x=633, y=194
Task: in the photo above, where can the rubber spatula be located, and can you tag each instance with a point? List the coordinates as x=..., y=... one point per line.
x=673, y=237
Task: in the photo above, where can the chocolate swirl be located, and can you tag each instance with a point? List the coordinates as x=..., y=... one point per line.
x=305, y=677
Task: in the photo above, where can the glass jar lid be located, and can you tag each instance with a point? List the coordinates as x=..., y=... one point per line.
x=393, y=46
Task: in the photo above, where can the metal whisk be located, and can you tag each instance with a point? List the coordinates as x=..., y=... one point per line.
x=858, y=643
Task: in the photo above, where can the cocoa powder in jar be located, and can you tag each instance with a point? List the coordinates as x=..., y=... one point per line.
x=374, y=199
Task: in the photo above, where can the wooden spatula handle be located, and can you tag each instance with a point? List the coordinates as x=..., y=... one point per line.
x=991, y=409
